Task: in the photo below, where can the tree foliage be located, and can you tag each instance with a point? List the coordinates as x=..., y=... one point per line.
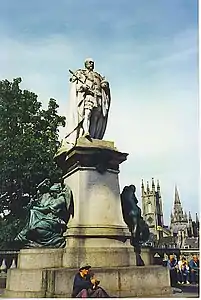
x=29, y=139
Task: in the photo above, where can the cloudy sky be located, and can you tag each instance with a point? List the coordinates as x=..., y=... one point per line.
x=149, y=53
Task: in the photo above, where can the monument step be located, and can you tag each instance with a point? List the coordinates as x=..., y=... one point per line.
x=146, y=281
x=118, y=282
x=22, y=294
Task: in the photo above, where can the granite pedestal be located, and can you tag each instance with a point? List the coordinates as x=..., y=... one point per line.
x=96, y=234
x=32, y=280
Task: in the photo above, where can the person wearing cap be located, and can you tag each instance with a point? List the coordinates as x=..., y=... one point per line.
x=85, y=284
x=89, y=104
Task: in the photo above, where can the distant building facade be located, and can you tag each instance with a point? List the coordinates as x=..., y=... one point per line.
x=182, y=232
x=152, y=209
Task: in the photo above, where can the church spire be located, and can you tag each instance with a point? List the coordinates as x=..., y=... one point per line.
x=196, y=218
x=189, y=217
x=153, y=185
x=176, y=197
x=197, y=223
x=171, y=217
x=190, y=225
x=148, y=187
x=158, y=186
x=185, y=217
x=142, y=187
x=177, y=208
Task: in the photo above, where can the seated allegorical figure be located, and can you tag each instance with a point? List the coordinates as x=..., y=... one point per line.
x=48, y=218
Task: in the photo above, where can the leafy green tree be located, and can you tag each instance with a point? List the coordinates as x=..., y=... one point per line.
x=29, y=139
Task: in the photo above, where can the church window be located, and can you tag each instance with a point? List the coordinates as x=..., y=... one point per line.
x=149, y=207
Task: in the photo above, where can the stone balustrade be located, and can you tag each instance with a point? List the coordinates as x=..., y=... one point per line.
x=8, y=260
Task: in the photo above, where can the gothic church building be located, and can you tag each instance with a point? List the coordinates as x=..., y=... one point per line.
x=182, y=231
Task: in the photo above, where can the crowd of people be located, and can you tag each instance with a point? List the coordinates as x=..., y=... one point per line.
x=183, y=271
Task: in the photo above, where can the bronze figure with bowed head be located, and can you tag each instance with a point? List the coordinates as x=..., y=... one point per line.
x=132, y=217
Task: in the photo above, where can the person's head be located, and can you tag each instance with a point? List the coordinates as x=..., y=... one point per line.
x=84, y=269
x=89, y=64
x=195, y=258
x=172, y=257
x=184, y=262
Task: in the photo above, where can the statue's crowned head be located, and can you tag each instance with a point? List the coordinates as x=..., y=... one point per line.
x=89, y=64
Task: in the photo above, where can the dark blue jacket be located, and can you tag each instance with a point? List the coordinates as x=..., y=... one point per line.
x=81, y=283
x=194, y=265
x=171, y=264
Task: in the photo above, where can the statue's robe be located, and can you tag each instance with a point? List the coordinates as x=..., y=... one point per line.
x=77, y=104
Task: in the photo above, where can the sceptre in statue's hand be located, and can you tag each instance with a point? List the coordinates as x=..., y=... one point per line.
x=84, y=87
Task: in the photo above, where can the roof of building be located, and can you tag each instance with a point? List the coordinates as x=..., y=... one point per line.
x=166, y=240
x=192, y=242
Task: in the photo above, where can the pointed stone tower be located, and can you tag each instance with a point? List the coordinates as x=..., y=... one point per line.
x=197, y=225
x=190, y=225
x=179, y=220
x=197, y=219
x=152, y=207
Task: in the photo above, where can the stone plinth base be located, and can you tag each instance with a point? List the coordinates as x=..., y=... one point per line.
x=118, y=282
x=41, y=274
x=23, y=283
x=95, y=153
x=40, y=258
x=106, y=253
x=29, y=280
x=148, y=281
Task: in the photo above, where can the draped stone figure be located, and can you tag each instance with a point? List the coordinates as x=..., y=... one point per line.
x=48, y=217
x=88, y=104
